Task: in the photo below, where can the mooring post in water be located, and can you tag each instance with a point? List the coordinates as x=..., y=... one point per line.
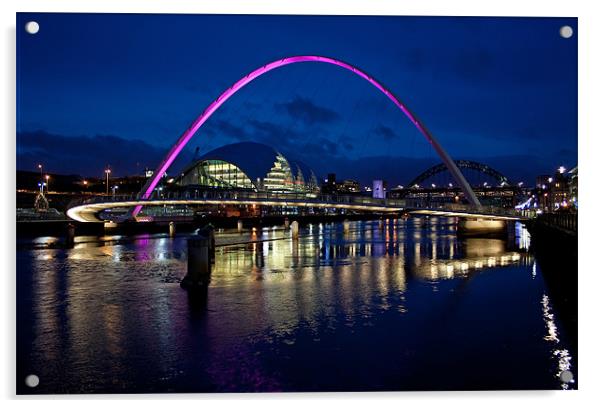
x=295, y=230
x=172, y=229
x=346, y=226
x=286, y=223
x=70, y=239
x=239, y=225
x=209, y=230
x=199, y=264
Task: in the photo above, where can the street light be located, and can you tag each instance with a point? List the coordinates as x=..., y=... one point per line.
x=41, y=177
x=47, y=183
x=107, y=172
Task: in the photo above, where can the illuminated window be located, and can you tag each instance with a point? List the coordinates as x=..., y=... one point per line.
x=218, y=173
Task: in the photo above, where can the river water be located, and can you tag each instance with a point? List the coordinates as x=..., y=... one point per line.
x=403, y=306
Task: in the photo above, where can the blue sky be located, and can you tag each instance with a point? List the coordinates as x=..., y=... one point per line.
x=98, y=89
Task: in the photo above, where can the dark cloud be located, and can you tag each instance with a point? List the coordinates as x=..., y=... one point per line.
x=385, y=132
x=226, y=129
x=346, y=144
x=282, y=137
x=87, y=155
x=306, y=111
x=288, y=139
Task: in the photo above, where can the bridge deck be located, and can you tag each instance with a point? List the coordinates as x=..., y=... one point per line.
x=88, y=210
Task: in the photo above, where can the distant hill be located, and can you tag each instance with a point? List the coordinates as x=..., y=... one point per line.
x=28, y=180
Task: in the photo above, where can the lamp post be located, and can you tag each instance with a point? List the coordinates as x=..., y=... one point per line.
x=107, y=172
x=47, y=183
x=41, y=177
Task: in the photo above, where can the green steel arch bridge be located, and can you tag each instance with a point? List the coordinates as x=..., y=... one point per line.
x=461, y=164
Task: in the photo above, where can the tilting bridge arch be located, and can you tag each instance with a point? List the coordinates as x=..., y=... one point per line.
x=148, y=188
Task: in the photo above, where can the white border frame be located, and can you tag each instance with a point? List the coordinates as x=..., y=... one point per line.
x=590, y=132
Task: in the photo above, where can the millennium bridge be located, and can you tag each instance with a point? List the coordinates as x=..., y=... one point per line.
x=90, y=210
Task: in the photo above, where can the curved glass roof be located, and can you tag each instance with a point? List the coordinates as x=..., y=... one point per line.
x=254, y=159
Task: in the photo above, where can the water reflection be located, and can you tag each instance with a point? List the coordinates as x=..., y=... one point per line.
x=561, y=355
x=109, y=314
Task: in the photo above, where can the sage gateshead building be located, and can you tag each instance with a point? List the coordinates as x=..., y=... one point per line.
x=249, y=166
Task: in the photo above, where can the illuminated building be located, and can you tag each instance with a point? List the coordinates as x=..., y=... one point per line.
x=559, y=189
x=249, y=166
x=349, y=186
x=378, y=189
x=555, y=192
x=543, y=182
x=331, y=186
x=573, y=190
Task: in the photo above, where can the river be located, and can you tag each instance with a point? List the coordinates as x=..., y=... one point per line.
x=406, y=305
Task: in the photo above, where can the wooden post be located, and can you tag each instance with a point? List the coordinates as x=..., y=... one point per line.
x=295, y=230
x=346, y=226
x=70, y=239
x=199, y=265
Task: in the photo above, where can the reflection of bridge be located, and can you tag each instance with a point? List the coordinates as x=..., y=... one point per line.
x=90, y=210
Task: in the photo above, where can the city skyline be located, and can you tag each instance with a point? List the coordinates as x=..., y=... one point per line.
x=488, y=92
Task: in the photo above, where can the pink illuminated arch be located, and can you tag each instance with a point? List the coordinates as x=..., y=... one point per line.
x=189, y=133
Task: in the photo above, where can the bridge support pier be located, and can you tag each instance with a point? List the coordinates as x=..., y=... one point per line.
x=172, y=229
x=239, y=225
x=286, y=223
x=481, y=226
x=295, y=229
x=199, y=265
x=346, y=226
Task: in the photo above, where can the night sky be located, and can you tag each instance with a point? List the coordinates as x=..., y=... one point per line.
x=101, y=89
